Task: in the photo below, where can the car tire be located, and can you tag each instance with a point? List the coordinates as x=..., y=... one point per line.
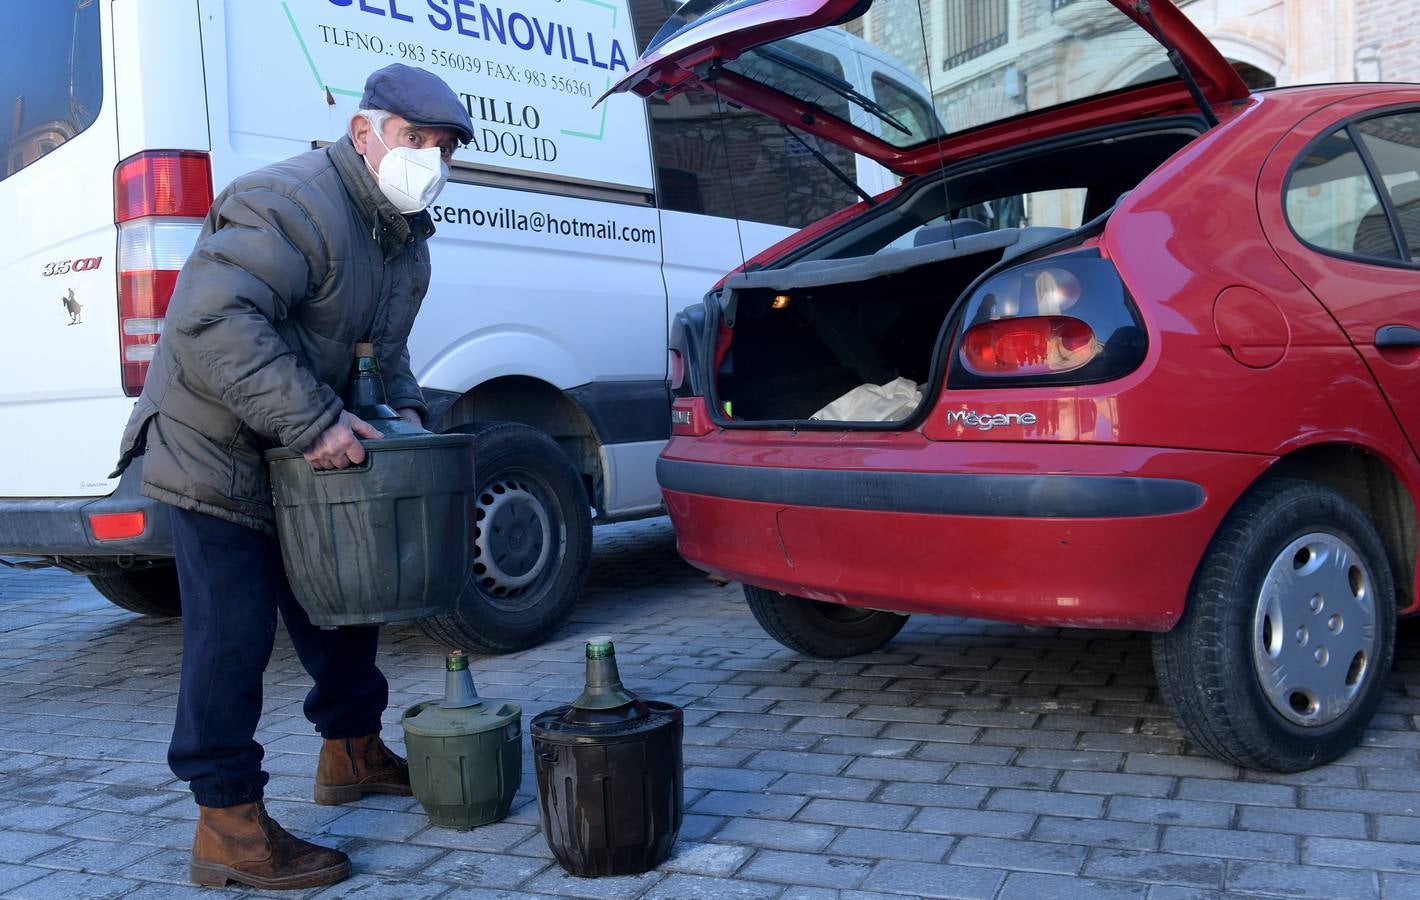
x=151, y=591
x=1282, y=653
x=827, y=630
x=523, y=586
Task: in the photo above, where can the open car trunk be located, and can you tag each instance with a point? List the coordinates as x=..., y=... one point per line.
x=868, y=305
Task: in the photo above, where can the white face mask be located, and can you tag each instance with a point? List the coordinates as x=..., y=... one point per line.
x=410, y=178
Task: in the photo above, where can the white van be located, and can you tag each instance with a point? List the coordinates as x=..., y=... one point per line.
x=567, y=236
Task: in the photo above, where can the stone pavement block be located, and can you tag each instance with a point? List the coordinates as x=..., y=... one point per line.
x=695, y=827
x=1390, y=828
x=1019, y=856
x=160, y=891
x=973, y=822
x=69, y=885
x=1030, y=886
x=1365, y=801
x=1052, y=803
x=92, y=856
x=957, y=795
x=1171, y=812
x=122, y=827
x=898, y=770
x=729, y=757
x=808, y=763
x=834, y=787
x=1384, y=856
x=708, y=778
x=485, y=870
x=946, y=734
x=1163, y=868
x=1173, y=764
x=818, y=870
x=388, y=857
x=1230, y=844
x=966, y=753
x=18, y=846
x=168, y=866
x=1400, y=887
x=699, y=887
x=857, y=746
x=1270, y=795
x=379, y=824
x=127, y=798
x=850, y=812
x=558, y=883
x=1112, y=783
x=12, y=876
x=760, y=806
x=720, y=860
x=372, y=886
x=776, y=835
x=1097, y=833
x=848, y=727
x=1301, y=881
x=878, y=844
x=1000, y=776
x=934, y=880
x=490, y=838
x=1176, y=892
x=1313, y=822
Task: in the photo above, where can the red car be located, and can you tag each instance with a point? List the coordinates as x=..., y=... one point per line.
x=1139, y=350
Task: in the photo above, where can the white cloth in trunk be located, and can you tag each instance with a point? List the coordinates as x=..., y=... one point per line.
x=874, y=403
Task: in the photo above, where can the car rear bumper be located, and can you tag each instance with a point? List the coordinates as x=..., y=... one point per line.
x=1051, y=534
x=48, y=527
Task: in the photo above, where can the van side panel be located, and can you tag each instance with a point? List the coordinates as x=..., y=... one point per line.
x=61, y=405
x=162, y=100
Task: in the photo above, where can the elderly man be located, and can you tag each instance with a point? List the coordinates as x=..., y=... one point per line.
x=296, y=263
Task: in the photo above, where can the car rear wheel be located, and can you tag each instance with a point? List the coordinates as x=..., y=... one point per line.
x=829, y=630
x=1281, y=656
x=532, y=536
x=151, y=591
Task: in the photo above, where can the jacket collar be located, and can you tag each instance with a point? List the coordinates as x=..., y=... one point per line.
x=387, y=225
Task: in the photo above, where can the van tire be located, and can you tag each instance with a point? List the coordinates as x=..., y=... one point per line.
x=524, y=480
x=149, y=592
x=1310, y=626
x=827, y=630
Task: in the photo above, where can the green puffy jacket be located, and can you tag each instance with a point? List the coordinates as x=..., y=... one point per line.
x=296, y=263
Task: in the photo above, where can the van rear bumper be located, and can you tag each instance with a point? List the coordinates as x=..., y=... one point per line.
x=58, y=526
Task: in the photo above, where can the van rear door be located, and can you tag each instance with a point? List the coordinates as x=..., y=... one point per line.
x=61, y=406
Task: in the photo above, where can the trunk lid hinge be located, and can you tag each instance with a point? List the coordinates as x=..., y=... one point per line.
x=1144, y=9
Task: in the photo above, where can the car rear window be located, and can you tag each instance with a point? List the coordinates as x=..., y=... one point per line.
x=50, y=77
x=1332, y=203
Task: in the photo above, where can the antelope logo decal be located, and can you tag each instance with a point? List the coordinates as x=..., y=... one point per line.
x=72, y=306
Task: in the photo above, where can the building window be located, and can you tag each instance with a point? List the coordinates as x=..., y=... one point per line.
x=974, y=28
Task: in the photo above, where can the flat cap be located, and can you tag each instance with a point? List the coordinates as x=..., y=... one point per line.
x=419, y=96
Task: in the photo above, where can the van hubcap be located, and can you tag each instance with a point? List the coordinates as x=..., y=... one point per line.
x=1314, y=630
x=512, y=537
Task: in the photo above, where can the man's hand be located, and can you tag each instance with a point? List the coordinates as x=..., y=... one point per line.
x=410, y=415
x=338, y=446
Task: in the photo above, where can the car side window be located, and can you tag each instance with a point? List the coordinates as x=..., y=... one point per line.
x=1393, y=143
x=717, y=159
x=1332, y=203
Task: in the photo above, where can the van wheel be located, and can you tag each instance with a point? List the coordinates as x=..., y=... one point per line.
x=829, y=630
x=1281, y=656
x=532, y=535
x=149, y=592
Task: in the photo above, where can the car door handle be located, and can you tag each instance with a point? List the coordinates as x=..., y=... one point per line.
x=1397, y=336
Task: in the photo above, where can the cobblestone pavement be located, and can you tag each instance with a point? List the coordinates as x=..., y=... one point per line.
x=965, y=760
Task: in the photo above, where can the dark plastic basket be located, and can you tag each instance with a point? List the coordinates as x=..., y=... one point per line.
x=386, y=541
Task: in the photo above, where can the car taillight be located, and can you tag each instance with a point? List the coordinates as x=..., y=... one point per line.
x=160, y=199
x=1061, y=320
x=1036, y=345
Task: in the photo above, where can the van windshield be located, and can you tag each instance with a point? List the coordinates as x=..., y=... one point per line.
x=930, y=69
x=50, y=78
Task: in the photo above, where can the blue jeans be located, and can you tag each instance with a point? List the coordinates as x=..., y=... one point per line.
x=232, y=584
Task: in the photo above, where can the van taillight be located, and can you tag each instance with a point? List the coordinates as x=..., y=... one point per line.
x=160, y=199
x=1064, y=319
x=162, y=183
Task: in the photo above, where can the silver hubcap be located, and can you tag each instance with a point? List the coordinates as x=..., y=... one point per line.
x=1314, y=632
x=512, y=538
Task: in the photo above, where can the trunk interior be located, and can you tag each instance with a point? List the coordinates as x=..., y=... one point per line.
x=866, y=306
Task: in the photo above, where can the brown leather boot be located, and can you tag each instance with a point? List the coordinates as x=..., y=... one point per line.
x=243, y=844
x=350, y=768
